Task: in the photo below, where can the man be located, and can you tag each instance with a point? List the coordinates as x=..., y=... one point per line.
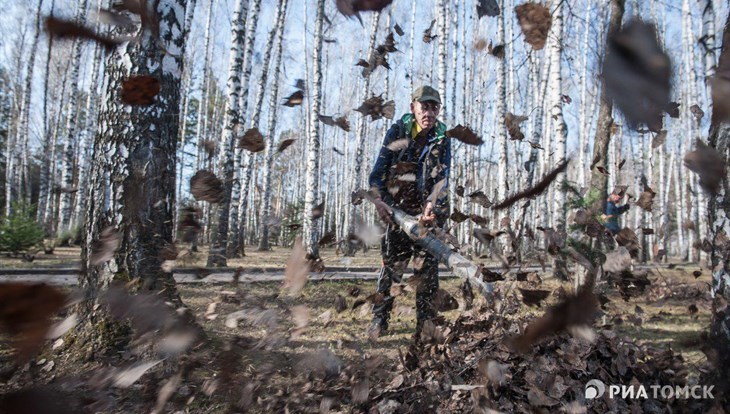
x=416, y=155
x=613, y=210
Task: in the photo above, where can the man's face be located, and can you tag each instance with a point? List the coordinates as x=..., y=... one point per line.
x=425, y=113
x=615, y=198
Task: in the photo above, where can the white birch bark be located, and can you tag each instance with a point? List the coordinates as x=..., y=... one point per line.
x=442, y=56
x=65, y=206
x=232, y=119
x=310, y=229
x=559, y=129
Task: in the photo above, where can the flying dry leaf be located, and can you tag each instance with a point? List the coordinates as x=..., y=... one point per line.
x=480, y=198
x=63, y=29
x=295, y=99
x=637, y=74
x=103, y=249
x=127, y=377
x=140, y=90
x=575, y=309
x=465, y=135
x=398, y=30
x=512, y=122
x=536, y=190
x=627, y=238
x=487, y=8
x=285, y=144
x=646, y=200
x=341, y=122
x=659, y=139
x=329, y=238
x=443, y=301
x=297, y=269
x=535, y=21
x=25, y=313
x=458, y=217
x=427, y=37
x=205, y=186
x=497, y=51
x=354, y=7
x=480, y=44
x=708, y=164
x=299, y=84
x=252, y=140
x=721, y=93
x=189, y=225
x=377, y=108
x=340, y=304
x=697, y=112
x=318, y=211
x=672, y=109
x=399, y=144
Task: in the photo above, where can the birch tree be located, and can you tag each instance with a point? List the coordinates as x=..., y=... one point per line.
x=311, y=194
x=265, y=218
x=217, y=253
x=65, y=206
x=133, y=181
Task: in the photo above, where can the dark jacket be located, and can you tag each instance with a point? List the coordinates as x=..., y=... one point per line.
x=427, y=158
x=613, y=210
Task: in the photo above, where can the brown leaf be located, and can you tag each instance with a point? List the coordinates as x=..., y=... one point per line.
x=285, y=144
x=535, y=21
x=478, y=220
x=295, y=99
x=354, y=7
x=140, y=90
x=398, y=145
x=189, y=224
x=103, y=249
x=697, y=112
x=340, y=304
x=536, y=190
x=427, y=37
x=465, y=135
x=377, y=108
x=443, y=301
x=361, y=391
x=63, y=29
x=297, y=269
x=533, y=297
x=487, y=8
x=575, y=309
x=708, y=164
x=692, y=309
x=210, y=147
x=496, y=51
x=398, y=30
x=480, y=198
x=458, y=217
x=627, y=238
x=672, y=109
x=205, y=186
x=341, y=122
x=318, y=211
x=252, y=140
x=25, y=313
x=658, y=140
x=646, y=200
x=480, y=44
x=512, y=122
x=637, y=75
x=327, y=239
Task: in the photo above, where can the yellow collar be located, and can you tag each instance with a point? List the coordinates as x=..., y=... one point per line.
x=415, y=129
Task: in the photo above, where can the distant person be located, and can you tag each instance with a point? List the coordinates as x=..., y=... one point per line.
x=613, y=210
x=404, y=176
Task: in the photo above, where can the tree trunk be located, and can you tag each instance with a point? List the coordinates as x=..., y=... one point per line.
x=248, y=167
x=719, y=217
x=235, y=234
x=360, y=135
x=309, y=229
x=45, y=167
x=270, y=141
x=65, y=206
x=217, y=252
x=133, y=181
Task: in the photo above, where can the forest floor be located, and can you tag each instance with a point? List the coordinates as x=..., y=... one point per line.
x=672, y=312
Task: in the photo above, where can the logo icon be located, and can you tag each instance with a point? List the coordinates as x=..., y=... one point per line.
x=594, y=389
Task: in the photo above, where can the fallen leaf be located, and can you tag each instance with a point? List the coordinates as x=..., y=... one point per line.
x=295, y=99
x=129, y=376
x=341, y=122
x=377, y=108
x=487, y=8
x=512, y=122
x=62, y=29
x=285, y=144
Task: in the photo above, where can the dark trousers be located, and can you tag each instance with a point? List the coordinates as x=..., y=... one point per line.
x=397, y=250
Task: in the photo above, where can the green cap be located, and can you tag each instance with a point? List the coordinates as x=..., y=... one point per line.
x=426, y=93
